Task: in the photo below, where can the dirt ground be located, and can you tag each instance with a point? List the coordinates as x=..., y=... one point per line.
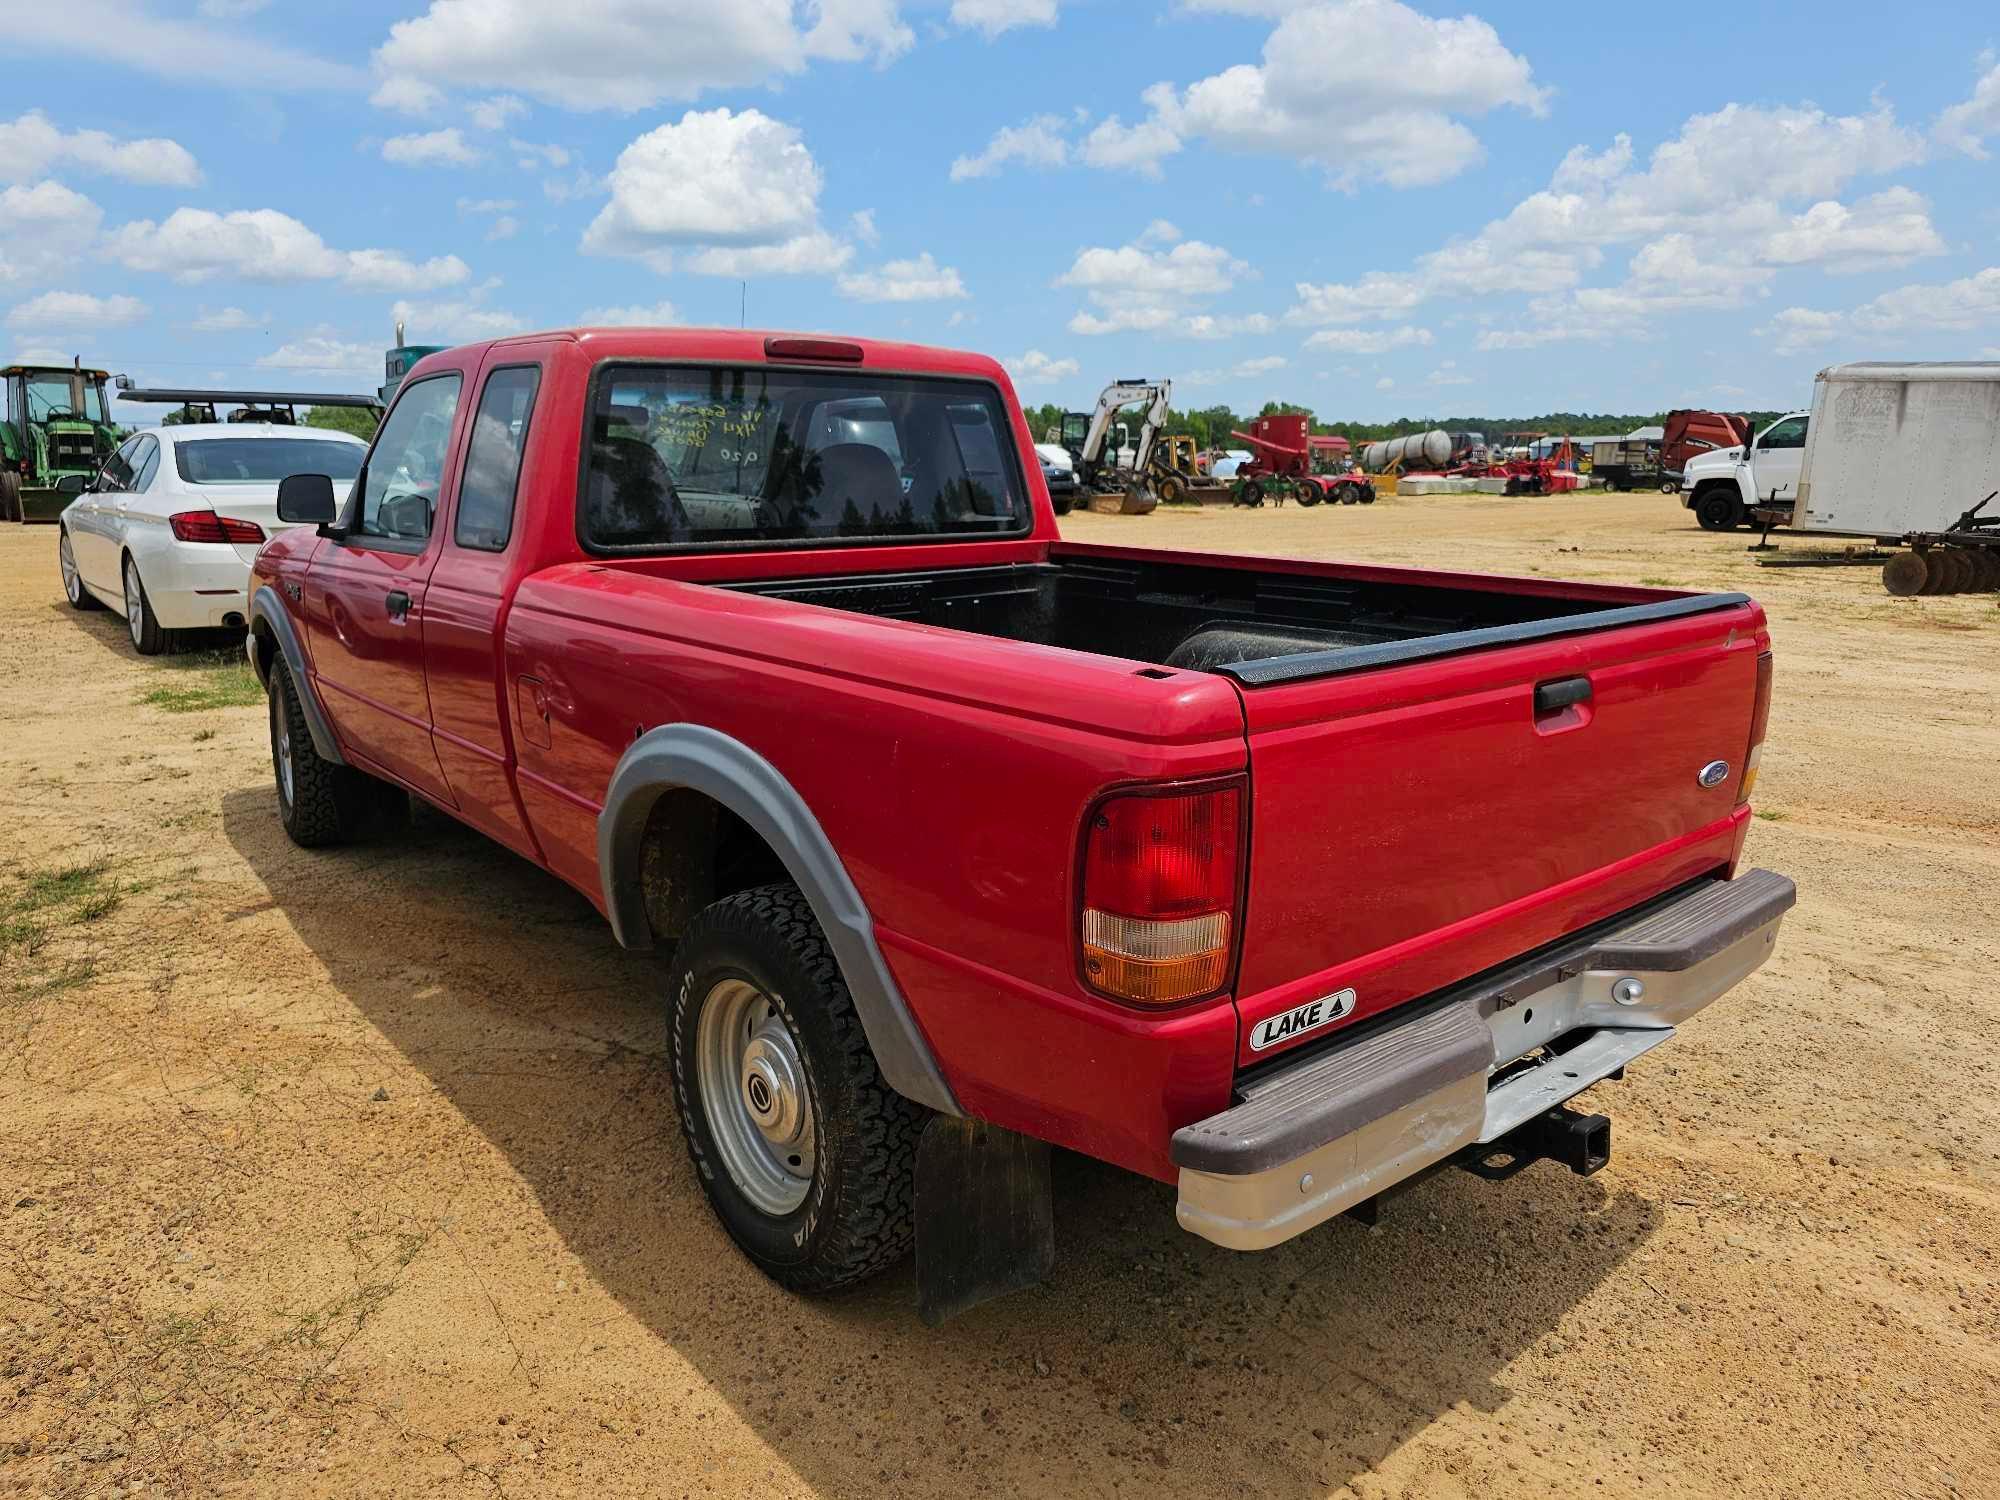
x=356, y=1173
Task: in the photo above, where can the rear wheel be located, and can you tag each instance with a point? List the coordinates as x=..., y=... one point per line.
x=148, y=637
x=1718, y=509
x=807, y=1156
x=1311, y=494
x=1173, y=490
x=1253, y=493
x=10, y=495
x=79, y=596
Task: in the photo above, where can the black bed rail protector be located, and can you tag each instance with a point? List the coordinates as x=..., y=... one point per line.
x=1300, y=665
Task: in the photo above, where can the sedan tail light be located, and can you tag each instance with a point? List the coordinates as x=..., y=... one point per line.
x=207, y=526
x=1159, y=894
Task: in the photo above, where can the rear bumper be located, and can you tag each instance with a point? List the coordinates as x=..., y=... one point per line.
x=1310, y=1141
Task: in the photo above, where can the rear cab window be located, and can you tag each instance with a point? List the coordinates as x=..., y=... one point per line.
x=681, y=456
x=264, y=460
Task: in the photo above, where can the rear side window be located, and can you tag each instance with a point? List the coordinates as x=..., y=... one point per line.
x=493, y=462
x=680, y=455
x=148, y=461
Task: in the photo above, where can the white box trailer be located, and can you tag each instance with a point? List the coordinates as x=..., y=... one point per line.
x=1911, y=453
x=1899, y=449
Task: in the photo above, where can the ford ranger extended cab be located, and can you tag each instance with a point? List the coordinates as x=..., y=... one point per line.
x=1281, y=882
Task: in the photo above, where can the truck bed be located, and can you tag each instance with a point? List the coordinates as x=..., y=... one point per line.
x=1260, y=621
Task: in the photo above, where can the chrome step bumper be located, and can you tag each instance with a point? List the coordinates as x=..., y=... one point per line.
x=1310, y=1141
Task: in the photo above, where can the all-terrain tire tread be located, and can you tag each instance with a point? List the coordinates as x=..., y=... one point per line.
x=328, y=803
x=871, y=1224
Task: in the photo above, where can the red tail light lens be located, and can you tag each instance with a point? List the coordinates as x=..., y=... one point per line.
x=207, y=526
x=1760, y=719
x=1159, y=894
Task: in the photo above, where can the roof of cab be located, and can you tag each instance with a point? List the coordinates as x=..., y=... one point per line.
x=746, y=346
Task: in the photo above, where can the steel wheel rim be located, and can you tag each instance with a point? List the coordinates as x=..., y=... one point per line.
x=135, y=603
x=72, y=580
x=281, y=742
x=755, y=1096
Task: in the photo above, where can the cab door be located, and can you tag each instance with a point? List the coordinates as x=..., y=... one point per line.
x=1781, y=450
x=364, y=594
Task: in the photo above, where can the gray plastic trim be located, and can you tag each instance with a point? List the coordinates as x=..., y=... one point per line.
x=710, y=762
x=266, y=606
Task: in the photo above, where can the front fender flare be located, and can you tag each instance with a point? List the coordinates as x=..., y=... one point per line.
x=267, y=609
x=710, y=762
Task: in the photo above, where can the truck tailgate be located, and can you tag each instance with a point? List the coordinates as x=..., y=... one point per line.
x=1414, y=824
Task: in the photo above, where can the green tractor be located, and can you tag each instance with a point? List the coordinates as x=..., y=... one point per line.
x=55, y=435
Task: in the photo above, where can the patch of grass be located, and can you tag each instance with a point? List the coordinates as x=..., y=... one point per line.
x=51, y=899
x=203, y=734
x=1772, y=814
x=207, y=679
x=1663, y=583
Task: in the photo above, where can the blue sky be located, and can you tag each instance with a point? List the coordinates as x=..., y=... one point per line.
x=1373, y=209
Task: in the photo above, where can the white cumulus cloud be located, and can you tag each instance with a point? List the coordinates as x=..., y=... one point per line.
x=1037, y=142
x=197, y=244
x=432, y=148
x=44, y=229
x=1036, y=368
x=32, y=145
x=991, y=17
x=64, y=312
x=635, y=315
x=918, y=280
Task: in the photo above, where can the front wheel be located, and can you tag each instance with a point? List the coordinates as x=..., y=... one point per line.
x=10, y=496
x=1253, y=493
x=807, y=1156
x=1717, y=510
x=320, y=802
x=79, y=597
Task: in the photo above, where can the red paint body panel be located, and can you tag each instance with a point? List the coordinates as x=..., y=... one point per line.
x=1408, y=826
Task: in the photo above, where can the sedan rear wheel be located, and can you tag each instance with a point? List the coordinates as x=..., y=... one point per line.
x=148, y=639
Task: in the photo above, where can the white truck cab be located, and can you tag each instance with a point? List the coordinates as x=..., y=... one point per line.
x=1720, y=487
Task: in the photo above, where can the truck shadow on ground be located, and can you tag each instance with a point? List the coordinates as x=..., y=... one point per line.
x=1152, y=1359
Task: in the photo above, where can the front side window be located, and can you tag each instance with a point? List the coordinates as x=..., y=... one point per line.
x=493, y=459
x=681, y=455
x=263, y=460
x=49, y=398
x=119, y=469
x=399, y=498
x=1790, y=433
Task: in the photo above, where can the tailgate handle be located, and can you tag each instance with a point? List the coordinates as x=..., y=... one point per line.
x=1559, y=694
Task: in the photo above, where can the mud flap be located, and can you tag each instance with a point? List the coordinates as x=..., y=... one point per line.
x=986, y=1222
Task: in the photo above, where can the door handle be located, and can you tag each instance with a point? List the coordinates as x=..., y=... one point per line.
x=399, y=605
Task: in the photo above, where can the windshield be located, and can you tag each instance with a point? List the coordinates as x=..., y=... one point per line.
x=264, y=460
x=48, y=396
x=689, y=456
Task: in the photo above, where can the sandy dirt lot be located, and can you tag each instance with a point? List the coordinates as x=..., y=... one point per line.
x=357, y=1174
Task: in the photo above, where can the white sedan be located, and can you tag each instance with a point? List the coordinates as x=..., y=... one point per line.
x=168, y=530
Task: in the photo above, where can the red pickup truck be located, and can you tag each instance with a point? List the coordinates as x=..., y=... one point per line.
x=1282, y=882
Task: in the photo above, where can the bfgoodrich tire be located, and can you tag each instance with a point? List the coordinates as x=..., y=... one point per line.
x=807, y=1156
x=320, y=802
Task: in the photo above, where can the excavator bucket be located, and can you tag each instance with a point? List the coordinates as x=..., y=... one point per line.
x=1134, y=501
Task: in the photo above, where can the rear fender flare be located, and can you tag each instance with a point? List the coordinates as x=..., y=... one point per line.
x=707, y=761
x=267, y=613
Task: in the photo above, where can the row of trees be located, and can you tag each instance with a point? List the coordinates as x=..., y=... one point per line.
x=1210, y=426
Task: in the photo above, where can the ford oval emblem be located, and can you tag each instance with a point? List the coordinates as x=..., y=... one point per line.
x=1714, y=773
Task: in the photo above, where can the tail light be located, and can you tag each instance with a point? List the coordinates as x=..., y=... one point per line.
x=1159, y=894
x=207, y=526
x=1760, y=718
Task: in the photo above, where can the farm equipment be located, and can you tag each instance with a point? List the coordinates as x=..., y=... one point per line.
x=268, y=408
x=1108, y=486
x=1283, y=466
x=1688, y=434
x=1629, y=464
x=1963, y=559
x=55, y=436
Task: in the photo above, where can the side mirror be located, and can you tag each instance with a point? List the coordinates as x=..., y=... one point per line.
x=306, y=499
x=72, y=484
